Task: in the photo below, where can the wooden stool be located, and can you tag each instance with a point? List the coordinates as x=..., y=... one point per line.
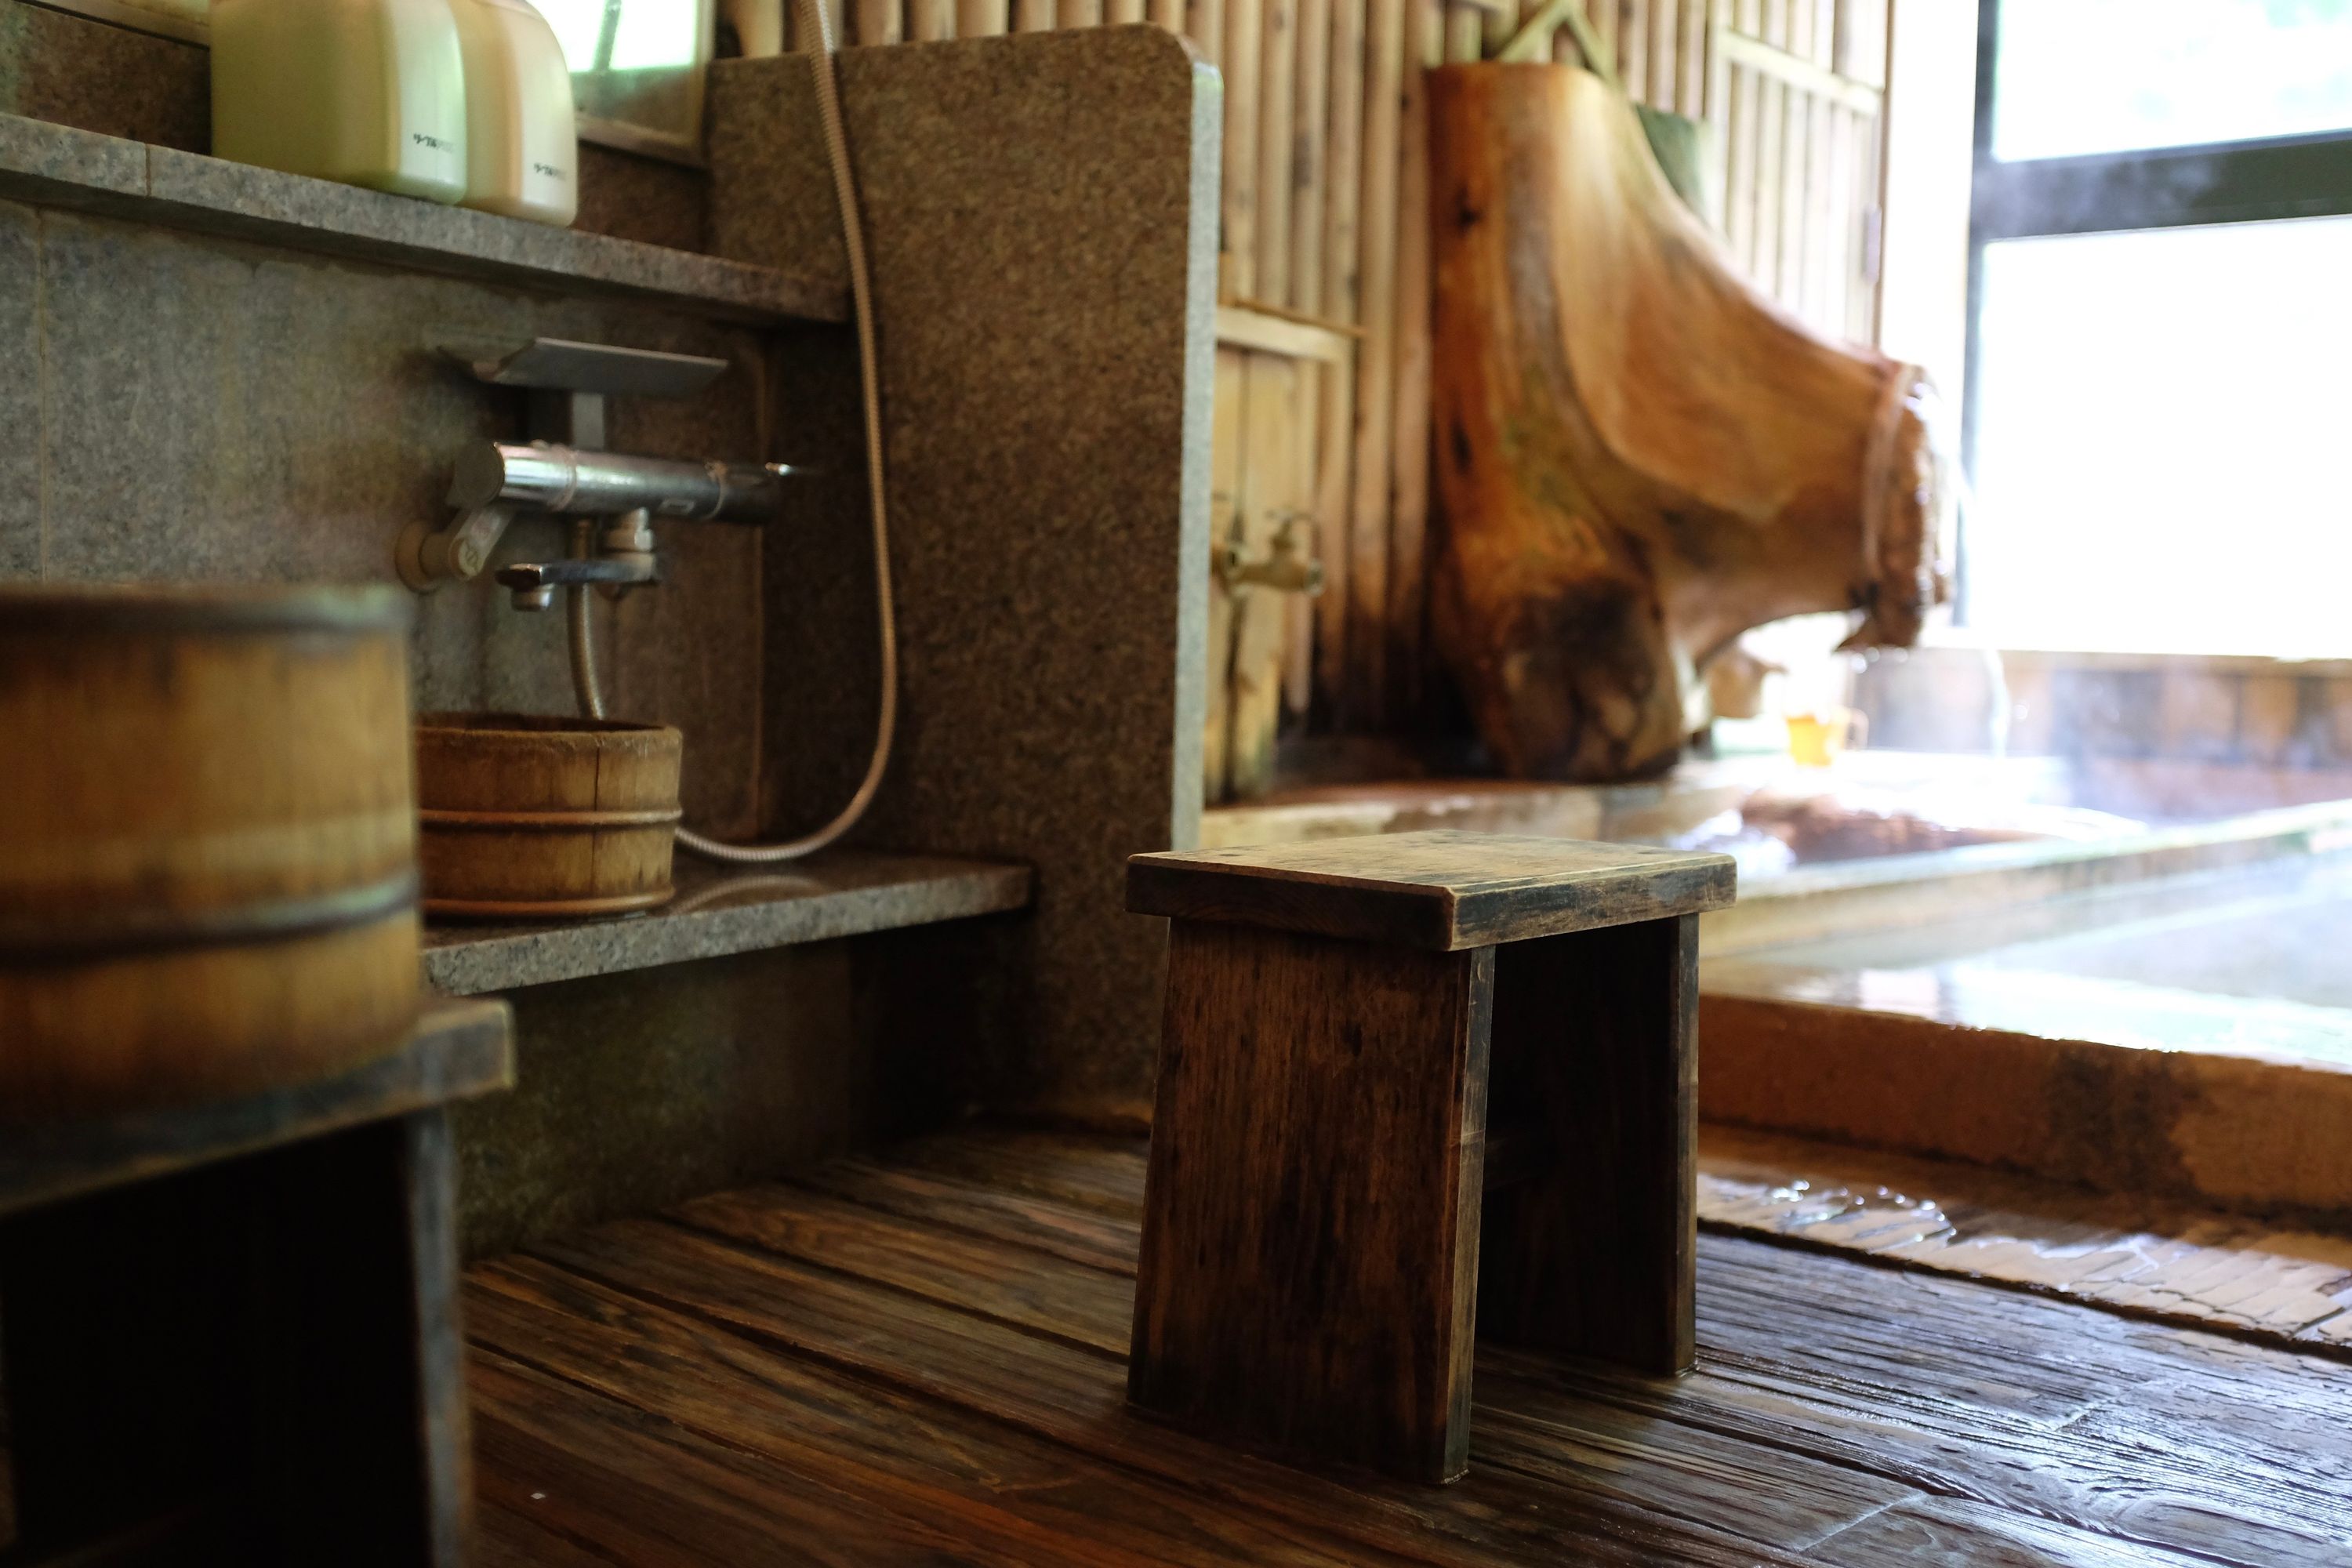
x=1312, y=1265
x=231, y=1330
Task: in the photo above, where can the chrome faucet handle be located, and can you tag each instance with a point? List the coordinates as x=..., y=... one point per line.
x=533, y=582
x=427, y=557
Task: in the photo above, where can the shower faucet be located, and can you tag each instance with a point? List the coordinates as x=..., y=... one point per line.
x=565, y=472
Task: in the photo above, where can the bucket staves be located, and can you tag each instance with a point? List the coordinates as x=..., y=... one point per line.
x=207, y=842
x=528, y=817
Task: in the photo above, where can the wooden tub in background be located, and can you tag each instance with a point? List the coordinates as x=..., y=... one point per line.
x=531, y=817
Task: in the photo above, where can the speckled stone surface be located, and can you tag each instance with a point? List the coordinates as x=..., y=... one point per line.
x=63, y=167
x=647, y=199
x=1041, y=213
x=215, y=195
x=722, y=910
x=20, y=397
x=629, y=1095
x=635, y=1091
x=214, y=409
x=122, y=82
x=41, y=161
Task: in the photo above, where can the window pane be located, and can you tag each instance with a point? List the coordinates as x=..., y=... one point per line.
x=579, y=27
x=658, y=33
x=2107, y=76
x=2163, y=423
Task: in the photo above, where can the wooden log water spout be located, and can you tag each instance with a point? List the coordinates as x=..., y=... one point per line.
x=1641, y=456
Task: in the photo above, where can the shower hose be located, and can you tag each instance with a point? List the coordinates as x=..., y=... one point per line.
x=816, y=25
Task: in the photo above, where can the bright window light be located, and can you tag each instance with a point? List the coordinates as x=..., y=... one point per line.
x=579, y=27
x=2109, y=75
x=2163, y=420
x=655, y=35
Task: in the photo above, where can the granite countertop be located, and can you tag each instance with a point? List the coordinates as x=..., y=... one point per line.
x=458, y=1051
x=724, y=909
x=59, y=165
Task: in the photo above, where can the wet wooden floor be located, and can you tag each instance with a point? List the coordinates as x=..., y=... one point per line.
x=920, y=1359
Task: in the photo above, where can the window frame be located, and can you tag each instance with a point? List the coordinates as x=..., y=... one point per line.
x=2201, y=185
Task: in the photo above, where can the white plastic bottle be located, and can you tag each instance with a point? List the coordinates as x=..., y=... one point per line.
x=368, y=92
x=522, y=156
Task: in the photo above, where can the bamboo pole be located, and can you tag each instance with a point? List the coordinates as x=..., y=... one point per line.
x=931, y=21
x=1740, y=113
x=1311, y=143
x=1205, y=24
x=1796, y=159
x=1311, y=118
x=1409, y=441
x=1495, y=26
x=1277, y=96
x=1771, y=135
x=1368, y=567
x=1697, y=66
x=981, y=18
x=1079, y=12
x=1465, y=32
x=1169, y=14
x=1334, y=489
x=1633, y=48
x=1032, y=16
x=1841, y=218
x=1237, y=262
x=1665, y=54
x=880, y=22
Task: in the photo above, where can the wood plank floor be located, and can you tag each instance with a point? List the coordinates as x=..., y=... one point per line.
x=920, y=1359
x=2271, y=1280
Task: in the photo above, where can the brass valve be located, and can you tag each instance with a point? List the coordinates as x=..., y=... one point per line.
x=1289, y=565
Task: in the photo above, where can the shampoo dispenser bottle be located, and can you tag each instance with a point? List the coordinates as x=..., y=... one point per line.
x=522, y=156
x=368, y=92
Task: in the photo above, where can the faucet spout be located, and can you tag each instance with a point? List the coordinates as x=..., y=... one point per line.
x=533, y=582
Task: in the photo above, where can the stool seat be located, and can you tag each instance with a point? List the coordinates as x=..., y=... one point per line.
x=1444, y=889
x=1320, y=1246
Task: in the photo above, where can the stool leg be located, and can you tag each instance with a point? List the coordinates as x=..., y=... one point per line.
x=1311, y=1235
x=1596, y=1046
x=258, y=1361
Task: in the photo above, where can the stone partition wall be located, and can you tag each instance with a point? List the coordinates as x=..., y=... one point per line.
x=182, y=407
x=188, y=402
x=1041, y=213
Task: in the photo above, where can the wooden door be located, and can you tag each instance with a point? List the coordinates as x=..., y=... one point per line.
x=1264, y=531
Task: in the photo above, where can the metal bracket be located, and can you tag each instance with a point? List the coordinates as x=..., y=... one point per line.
x=569, y=382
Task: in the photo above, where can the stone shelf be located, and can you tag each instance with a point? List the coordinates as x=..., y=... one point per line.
x=722, y=911
x=459, y=1051
x=58, y=166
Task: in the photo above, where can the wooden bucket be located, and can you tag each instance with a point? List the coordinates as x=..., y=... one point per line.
x=527, y=817
x=207, y=842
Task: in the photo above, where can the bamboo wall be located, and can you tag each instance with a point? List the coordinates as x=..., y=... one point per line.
x=1325, y=216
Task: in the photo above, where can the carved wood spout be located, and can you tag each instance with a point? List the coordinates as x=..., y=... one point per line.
x=1641, y=456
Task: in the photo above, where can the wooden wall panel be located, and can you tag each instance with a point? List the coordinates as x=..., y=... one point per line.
x=1326, y=215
